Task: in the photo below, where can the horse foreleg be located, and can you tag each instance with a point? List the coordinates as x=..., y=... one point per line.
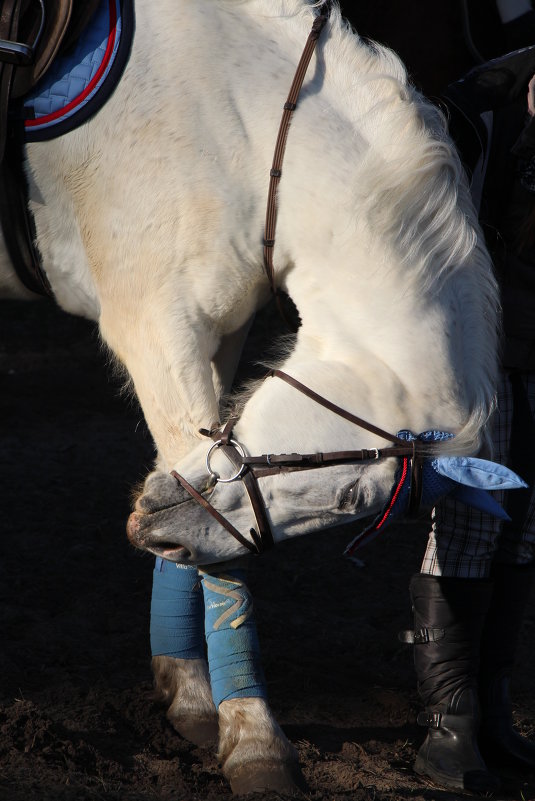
x=253, y=750
x=183, y=685
x=170, y=365
x=177, y=641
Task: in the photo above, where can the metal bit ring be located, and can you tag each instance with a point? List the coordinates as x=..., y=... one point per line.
x=218, y=444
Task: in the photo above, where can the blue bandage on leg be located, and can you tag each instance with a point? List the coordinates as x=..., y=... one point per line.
x=177, y=611
x=232, y=639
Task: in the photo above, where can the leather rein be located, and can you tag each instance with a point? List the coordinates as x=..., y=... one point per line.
x=250, y=468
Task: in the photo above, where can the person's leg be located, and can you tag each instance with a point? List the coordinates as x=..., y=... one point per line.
x=449, y=614
x=450, y=599
x=512, y=574
x=468, y=553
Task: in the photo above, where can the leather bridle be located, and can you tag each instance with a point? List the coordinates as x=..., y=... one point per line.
x=280, y=146
x=250, y=468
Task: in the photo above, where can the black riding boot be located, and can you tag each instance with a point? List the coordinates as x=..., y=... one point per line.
x=448, y=620
x=499, y=741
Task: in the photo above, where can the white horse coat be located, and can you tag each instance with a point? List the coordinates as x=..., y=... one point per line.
x=150, y=221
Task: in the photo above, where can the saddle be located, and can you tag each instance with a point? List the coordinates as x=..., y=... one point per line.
x=32, y=33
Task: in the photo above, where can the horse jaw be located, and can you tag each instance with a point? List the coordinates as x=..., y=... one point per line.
x=168, y=523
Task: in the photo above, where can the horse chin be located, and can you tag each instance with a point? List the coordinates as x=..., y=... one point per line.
x=173, y=553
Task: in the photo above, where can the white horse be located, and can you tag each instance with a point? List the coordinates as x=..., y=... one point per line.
x=150, y=221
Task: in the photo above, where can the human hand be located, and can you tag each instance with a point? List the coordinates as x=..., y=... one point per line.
x=531, y=97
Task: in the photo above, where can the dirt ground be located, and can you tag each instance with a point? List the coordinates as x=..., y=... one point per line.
x=77, y=716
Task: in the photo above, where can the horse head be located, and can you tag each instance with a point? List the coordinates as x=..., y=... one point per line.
x=305, y=491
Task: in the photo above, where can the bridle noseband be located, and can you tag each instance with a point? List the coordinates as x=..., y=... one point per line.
x=261, y=541
x=250, y=468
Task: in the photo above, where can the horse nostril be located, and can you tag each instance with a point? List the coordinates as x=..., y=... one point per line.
x=145, y=505
x=132, y=528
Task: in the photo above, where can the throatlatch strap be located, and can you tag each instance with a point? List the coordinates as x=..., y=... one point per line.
x=407, y=450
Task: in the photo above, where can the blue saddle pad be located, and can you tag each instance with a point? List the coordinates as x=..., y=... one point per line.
x=81, y=80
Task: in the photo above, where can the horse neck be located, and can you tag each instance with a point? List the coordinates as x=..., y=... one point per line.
x=369, y=333
x=279, y=417
x=414, y=334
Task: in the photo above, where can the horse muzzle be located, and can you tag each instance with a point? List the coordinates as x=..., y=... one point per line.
x=154, y=525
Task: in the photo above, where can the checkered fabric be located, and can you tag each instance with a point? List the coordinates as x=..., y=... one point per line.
x=463, y=542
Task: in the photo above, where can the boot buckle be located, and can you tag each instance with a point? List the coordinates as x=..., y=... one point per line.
x=431, y=720
x=421, y=636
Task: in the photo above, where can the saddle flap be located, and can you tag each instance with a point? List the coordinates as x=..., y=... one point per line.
x=57, y=19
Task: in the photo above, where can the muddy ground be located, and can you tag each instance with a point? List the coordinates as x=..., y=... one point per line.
x=77, y=717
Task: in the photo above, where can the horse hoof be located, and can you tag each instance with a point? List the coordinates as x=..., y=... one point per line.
x=258, y=777
x=202, y=732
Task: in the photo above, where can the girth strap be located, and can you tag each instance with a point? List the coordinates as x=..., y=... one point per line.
x=32, y=32
x=17, y=220
x=9, y=25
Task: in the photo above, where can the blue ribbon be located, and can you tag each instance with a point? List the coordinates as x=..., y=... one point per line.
x=464, y=478
x=177, y=611
x=231, y=636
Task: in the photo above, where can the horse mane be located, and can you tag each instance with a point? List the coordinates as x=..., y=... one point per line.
x=422, y=209
x=420, y=201
x=410, y=188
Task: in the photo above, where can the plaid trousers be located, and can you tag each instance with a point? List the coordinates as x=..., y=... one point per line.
x=463, y=542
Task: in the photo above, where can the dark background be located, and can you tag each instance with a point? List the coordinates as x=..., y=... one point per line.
x=77, y=717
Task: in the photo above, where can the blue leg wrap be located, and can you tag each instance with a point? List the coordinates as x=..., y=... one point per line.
x=233, y=649
x=177, y=612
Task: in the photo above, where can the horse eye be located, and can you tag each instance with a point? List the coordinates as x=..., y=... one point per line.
x=348, y=497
